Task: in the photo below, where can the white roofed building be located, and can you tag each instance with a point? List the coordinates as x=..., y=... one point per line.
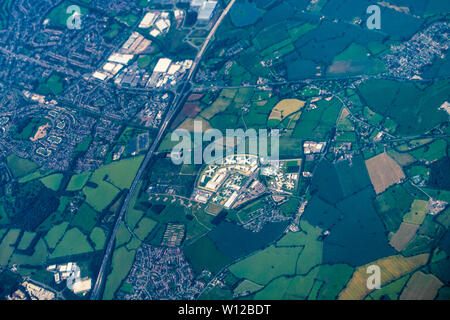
x=162, y=65
x=163, y=24
x=120, y=58
x=148, y=20
x=206, y=11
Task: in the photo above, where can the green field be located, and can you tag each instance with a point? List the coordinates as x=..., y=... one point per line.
x=267, y=264
x=78, y=181
x=356, y=59
x=133, y=215
x=113, y=31
x=431, y=152
x=122, y=261
x=26, y=239
x=391, y=290
x=417, y=213
x=53, y=85
x=55, y=234
x=85, y=219
x=98, y=237
x=247, y=286
x=391, y=205
x=26, y=128
x=123, y=236
x=129, y=19
x=412, y=107
x=32, y=176
x=58, y=16
x=331, y=280
x=144, y=227
x=203, y=254
x=6, y=246
x=5, y=8
x=53, y=181
x=38, y=258
x=109, y=180
x=317, y=123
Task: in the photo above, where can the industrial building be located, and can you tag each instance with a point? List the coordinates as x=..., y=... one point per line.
x=205, y=9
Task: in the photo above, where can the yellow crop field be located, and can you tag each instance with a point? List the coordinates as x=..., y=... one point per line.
x=392, y=268
x=285, y=108
x=188, y=124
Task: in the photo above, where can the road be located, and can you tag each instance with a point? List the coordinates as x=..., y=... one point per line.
x=200, y=87
x=109, y=249
x=178, y=99
x=58, y=294
x=44, y=64
x=209, y=37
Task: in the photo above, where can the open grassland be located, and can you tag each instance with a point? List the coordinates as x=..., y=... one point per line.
x=32, y=176
x=120, y=173
x=203, y=254
x=421, y=286
x=121, y=264
x=53, y=181
x=122, y=235
x=107, y=181
x=343, y=122
x=78, y=181
x=267, y=264
x=321, y=283
x=6, y=246
x=188, y=124
x=85, y=218
x=98, y=237
x=383, y=172
x=392, y=290
x=392, y=268
x=38, y=258
x=5, y=8
x=284, y=109
x=417, y=213
x=53, y=85
x=100, y=196
x=431, y=152
x=133, y=215
x=219, y=105
x=55, y=234
x=402, y=159
x=58, y=16
x=144, y=227
x=74, y=242
x=392, y=205
x=311, y=255
x=355, y=60
x=26, y=240
x=413, y=107
x=20, y=167
x=246, y=286
x=317, y=123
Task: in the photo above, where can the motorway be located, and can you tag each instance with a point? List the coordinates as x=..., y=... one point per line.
x=177, y=102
